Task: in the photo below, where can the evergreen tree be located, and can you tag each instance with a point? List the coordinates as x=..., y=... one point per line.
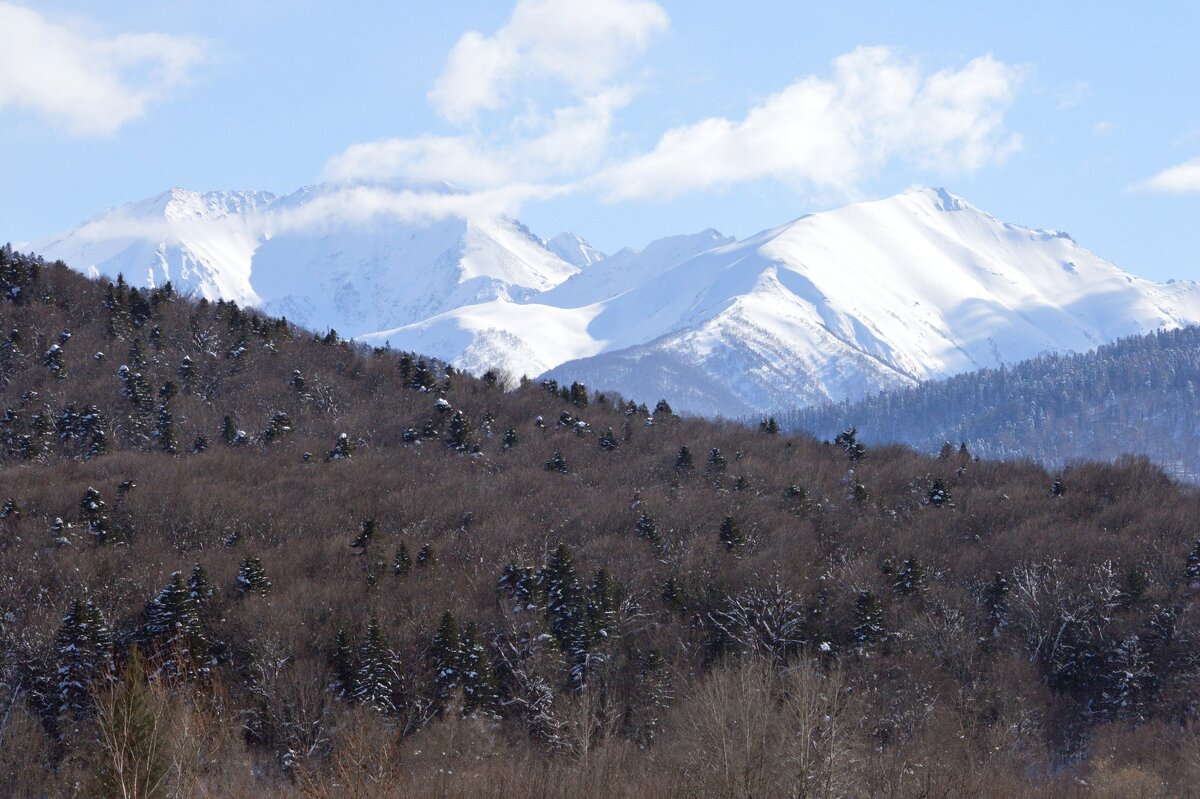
x=425, y=557
x=173, y=624
x=377, y=680
x=1192, y=570
x=995, y=600
x=579, y=395
x=1057, y=489
x=199, y=587
x=510, y=438
x=458, y=436
x=94, y=515
x=557, y=463
x=602, y=606
x=647, y=528
x=53, y=360
x=731, y=535
x=403, y=563
x=663, y=409
x=480, y=691
x=848, y=441
x=683, y=461
x=608, y=441
x=911, y=579
x=164, y=429
x=344, y=668
x=252, y=578
x=769, y=426
x=446, y=657
x=365, y=533
x=938, y=494
x=716, y=461
x=868, y=619
x=83, y=651
x=279, y=426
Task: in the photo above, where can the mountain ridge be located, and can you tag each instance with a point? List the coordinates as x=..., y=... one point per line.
x=830, y=306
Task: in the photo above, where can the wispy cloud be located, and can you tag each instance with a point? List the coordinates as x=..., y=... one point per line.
x=1179, y=179
x=83, y=83
x=536, y=104
x=836, y=132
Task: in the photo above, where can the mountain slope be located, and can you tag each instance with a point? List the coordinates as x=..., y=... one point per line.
x=831, y=306
x=839, y=304
x=1137, y=395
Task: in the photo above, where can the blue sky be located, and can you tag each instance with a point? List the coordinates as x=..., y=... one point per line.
x=623, y=120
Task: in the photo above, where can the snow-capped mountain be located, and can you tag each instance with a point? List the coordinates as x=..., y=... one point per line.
x=201, y=242
x=288, y=255
x=830, y=306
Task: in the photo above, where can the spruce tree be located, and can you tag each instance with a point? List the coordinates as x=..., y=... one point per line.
x=458, y=436
x=608, y=441
x=938, y=495
x=83, y=651
x=377, y=679
x=683, y=461
x=868, y=619
x=731, y=535
x=910, y=579
x=252, y=578
x=716, y=461
x=365, y=533
x=403, y=563
x=344, y=669
x=557, y=463
x=200, y=589
x=445, y=657
x=94, y=515
x=425, y=557
x=769, y=426
x=480, y=691
x=173, y=624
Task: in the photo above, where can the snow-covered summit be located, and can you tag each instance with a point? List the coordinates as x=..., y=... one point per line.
x=828, y=306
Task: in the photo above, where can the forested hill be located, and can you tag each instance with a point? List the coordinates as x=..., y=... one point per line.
x=240, y=559
x=1135, y=396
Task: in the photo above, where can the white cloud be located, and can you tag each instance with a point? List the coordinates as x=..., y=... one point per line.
x=1180, y=179
x=83, y=83
x=571, y=139
x=583, y=44
x=833, y=133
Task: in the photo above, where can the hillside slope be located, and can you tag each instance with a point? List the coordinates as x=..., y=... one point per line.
x=1135, y=396
x=316, y=569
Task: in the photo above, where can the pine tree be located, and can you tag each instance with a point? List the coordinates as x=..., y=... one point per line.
x=1057, y=489
x=458, y=435
x=403, y=563
x=53, y=360
x=200, y=589
x=716, y=461
x=94, y=514
x=164, y=429
x=344, y=670
x=731, y=535
x=510, y=438
x=365, y=533
x=911, y=579
x=868, y=619
x=647, y=528
x=938, y=494
x=480, y=691
x=557, y=463
x=252, y=578
x=377, y=680
x=848, y=441
x=1192, y=570
x=83, y=651
x=608, y=441
x=425, y=557
x=663, y=409
x=995, y=600
x=173, y=624
x=602, y=606
x=579, y=395
x=769, y=426
x=279, y=426
x=445, y=657
x=683, y=461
